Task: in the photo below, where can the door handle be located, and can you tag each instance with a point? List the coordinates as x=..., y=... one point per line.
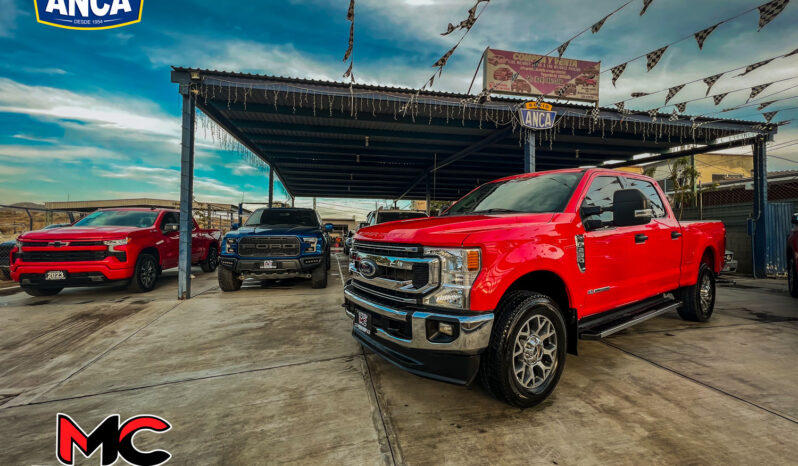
x=640, y=238
x=676, y=234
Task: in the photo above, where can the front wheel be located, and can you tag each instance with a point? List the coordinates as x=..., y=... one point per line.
x=35, y=291
x=145, y=274
x=212, y=261
x=228, y=281
x=792, y=278
x=318, y=277
x=698, y=301
x=526, y=355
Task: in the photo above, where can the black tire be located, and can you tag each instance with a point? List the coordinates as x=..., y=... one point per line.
x=792, y=277
x=145, y=274
x=228, y=281
x=36, y=291
x=698, y=301
x=318, y=276
x=211, y=261
x=499, y=366
x=329, y=260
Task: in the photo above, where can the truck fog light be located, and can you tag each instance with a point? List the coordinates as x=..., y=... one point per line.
x=446, y=328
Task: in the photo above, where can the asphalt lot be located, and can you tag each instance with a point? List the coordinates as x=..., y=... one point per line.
x=268, y=375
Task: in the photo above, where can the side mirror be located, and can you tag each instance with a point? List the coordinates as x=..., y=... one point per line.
x=171, y=227
x=235, y=226
x=328, y=227
x=590, y=210
x=795, y=219
x=630, y=207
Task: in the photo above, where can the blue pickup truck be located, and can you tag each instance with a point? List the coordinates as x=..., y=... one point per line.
x=275, y=244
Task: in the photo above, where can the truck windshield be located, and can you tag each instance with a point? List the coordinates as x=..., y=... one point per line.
x=272, y=217
x=393, y=216
x=118, y=218
x=538, y=194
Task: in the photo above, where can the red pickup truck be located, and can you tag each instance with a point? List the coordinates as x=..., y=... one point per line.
x=506, y=281
x=134, y=244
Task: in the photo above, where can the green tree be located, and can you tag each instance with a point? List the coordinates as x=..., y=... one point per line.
x=683, y=177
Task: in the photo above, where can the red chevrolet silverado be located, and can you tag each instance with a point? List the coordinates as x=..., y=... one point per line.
x=134, y=244
x=506, y=281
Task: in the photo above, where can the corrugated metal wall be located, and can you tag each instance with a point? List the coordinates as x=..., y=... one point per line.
x=777, y=216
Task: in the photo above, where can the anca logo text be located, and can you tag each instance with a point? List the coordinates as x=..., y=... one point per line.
x=88, y=14
x=114, y=440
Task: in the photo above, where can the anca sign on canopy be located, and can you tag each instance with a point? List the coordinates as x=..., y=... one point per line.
x=88, y=14
x=537, y=116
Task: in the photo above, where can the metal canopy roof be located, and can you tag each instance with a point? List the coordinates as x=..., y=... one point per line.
x=329, y=139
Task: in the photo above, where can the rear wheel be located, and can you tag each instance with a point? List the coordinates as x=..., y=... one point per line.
x=318, y=277
x=698, y=301
x=212, y=261
x=228, y=281
x=792, y=277
x=526, y=355
x=145, y=274
x=35, y=291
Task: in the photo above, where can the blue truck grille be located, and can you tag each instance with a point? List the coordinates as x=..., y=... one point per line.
x=272, y=246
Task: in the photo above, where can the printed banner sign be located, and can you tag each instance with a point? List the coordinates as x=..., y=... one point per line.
x=578, y=80
x=88, y=14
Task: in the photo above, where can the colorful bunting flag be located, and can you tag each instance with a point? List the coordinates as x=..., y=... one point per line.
x=673, y=91
x=646, y=4
x=770, y=10
x=681, y=107
x=757, y=89
x=561, y=48
x=710, y=81
x=717, y=98
x=764, y=104
x=751, y=68
x=701, y=36
x=769, y=115
x=654, y=57
x=617, y=72
x=597, y=27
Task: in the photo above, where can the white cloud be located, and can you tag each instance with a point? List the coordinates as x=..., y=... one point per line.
x=8, y=17
x=168, y=178
x=64, y=153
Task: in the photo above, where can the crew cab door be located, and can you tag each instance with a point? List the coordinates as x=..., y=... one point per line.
x=170, y=240
x=198, y=243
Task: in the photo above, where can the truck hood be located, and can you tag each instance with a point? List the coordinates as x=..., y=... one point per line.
x=275, y=231
x=79, y=233
x=445, y=231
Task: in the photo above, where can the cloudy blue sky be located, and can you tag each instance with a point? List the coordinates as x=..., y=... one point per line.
x=92, y=114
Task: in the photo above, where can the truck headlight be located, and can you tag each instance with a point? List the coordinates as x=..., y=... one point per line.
x=112, y=244
x=312, y=243
x=459, y=270
x=229, y=245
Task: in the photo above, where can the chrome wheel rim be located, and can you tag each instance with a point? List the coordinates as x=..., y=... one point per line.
x=147, y=273
x=535, y=352
x=706, y=292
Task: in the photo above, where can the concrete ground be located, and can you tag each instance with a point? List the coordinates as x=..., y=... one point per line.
x=268, y=375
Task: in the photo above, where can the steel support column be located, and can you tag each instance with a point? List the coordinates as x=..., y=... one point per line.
x=186, y=192
x=271, y=187
x=529, y=153
x=760, y=231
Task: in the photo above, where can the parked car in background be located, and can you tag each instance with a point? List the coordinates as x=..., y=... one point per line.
x=381, y=216
x=730, y=263
x=5, y=259
x=349, y=235
x=792, y=258
x=134, y=244
x=503, y=284
x=275, y=244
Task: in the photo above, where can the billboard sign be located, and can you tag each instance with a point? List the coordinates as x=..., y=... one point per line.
x=537, y=116
x=578, y=78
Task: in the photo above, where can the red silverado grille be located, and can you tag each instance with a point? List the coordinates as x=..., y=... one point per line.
x=63, y=256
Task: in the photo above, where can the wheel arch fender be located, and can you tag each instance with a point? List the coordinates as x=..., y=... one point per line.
x=152, y=250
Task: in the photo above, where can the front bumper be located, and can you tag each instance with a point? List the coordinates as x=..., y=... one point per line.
x=81, y=273
x=408, y=338
x=285, y=267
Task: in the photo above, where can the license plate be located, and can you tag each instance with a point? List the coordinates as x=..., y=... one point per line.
x=55, y=275
x=363, y=322
x=268, y=265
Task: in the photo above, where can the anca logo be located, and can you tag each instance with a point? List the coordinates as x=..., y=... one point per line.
x=88, y=14
x=114, y=439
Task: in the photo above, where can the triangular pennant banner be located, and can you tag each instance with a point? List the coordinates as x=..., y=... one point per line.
x=764, y=104
x=673, y=91
x=674, y=116
x=681, y=107
x=653, y=114
x=785, y=122
x=751, y=68
x=348, y=71
x=442, y=61
x=646, y=4
x=701, y=36
x=770, y=10
x=717, y=98
x=619, y=106
x=595, y=114
x=561, y=48
x=617, y=72
x=597, y=27
x=710, y=81
x=351, y=42
x=654, y=57
x=561, y=91
x=639, y=94
x=466, y=23
x=350, y=14
x=757, y=89
x=769, y=115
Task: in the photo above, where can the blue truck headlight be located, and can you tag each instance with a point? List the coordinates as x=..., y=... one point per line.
x=229, y=245
x=459, y=270
x=312, y=244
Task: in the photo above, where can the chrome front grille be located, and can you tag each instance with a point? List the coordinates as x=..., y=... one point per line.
x=269, y=246
x=403, y=279
x=387, y=249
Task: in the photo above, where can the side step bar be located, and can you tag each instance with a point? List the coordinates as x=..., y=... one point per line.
x=599, y=332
